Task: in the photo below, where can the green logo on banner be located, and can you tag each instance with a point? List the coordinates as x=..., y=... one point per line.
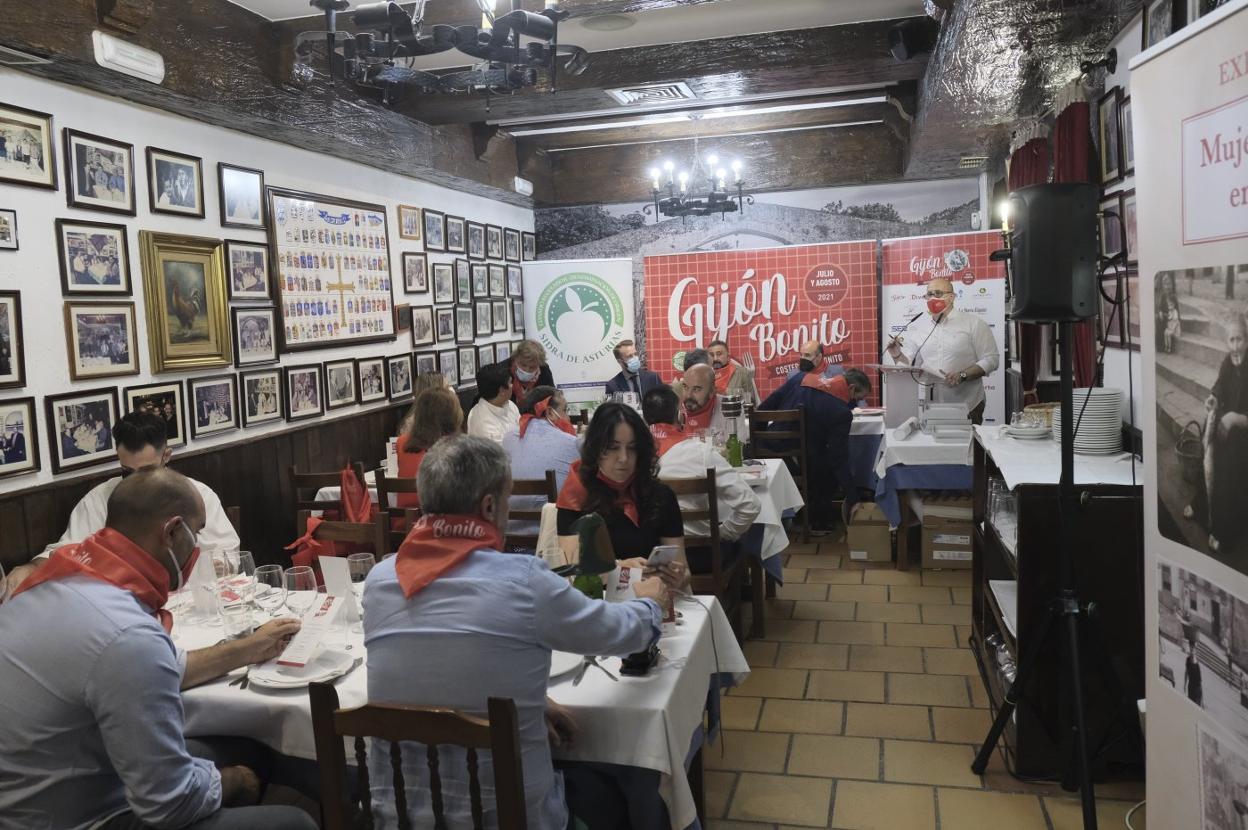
x=579, y=317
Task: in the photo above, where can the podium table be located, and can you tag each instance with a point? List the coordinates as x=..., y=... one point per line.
x=904, y=388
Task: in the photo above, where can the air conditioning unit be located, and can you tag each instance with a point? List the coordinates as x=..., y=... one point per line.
x=653, y=94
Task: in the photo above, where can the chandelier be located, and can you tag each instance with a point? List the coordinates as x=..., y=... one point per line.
x=680, y=186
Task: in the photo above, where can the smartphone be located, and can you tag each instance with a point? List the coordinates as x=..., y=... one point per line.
x=662, y=555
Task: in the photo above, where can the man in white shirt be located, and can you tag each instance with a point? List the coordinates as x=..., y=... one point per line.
x=702, y=406
x=956, y=345
x=494, y=414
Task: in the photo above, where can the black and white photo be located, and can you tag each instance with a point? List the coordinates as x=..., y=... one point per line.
x=372, y=374
x=484, y=318
x=467, y=364
x=99, y=173
x=515, y=281
x=175, y=183
x=444, y=324
x=80, y=428
x=465, y=322
x=19, y=439
x=8, y=230
x=485, y=354
x=455, y=235
x=415, y=273
x=12, y=344
x=410, y=226
x=100, y=339
x=528, y=245
x=463, y=285
x=476, y=240
x=502, y=351
x=443, y=282
x=498, y=281
x=493, y=242
x=448, y=365
x=1223, y=763
x=214, y=404
x=511, y=245
x=161, y=399
x=262, y=396
x=517, y=316
x=302, y=391
x=399, y=373
x=435, y=230
x=340, y=389
x=426, y=363
x=422, y=326
x=248, y=266
x=499, y=309
x=242, y=196
x=94, y=258
x=27, y=154
x=480, y=280
x=255, y=342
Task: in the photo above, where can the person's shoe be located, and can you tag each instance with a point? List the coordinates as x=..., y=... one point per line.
x=1188, y=512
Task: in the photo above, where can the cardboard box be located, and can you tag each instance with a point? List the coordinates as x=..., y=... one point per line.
x=947, y=530
x=869, y=538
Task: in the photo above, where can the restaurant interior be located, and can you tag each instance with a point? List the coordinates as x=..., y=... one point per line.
x=922, y=392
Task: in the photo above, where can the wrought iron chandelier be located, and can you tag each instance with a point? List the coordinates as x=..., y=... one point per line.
x=680, y=185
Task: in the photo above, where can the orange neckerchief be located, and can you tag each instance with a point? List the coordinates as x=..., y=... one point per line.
x=574, y=493
x=700, y=418
x=111, y=557
x=724, y=376
x=666, y=436
x=439, y=542
x=836, y=386
x=519, y=388
x=539, y=411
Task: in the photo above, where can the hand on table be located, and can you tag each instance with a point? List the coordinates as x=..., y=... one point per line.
x=269, y=640
x=953, y=378
x=240, y=787
x=561, y=727
x=652, y=588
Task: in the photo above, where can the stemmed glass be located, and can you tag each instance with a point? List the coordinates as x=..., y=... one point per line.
x=359, y=564
x=300, y=589
x=270, y=590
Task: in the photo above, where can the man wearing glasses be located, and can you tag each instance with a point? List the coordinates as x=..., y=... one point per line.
x=958, y=346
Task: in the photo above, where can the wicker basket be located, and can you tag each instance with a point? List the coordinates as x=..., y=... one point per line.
x=1042, y=410
x=1190, y=448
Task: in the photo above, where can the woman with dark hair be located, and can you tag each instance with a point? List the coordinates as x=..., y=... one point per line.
x=435, y=414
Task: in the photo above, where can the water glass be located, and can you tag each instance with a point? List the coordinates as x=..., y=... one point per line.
x=270, y=590
x=300, y=589
x=359, y=564
x=236, y=621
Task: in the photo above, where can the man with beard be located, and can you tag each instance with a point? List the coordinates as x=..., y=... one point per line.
x=731, y=378
x=702, y=406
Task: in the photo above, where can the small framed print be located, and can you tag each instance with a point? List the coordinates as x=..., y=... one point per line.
x=30, y=152
x=493, y=242
x=399, y=373
x=1111, y=225
x=340, y=387
x=100, y=339
x=517, y=316
x=463, y=286
x=415, y=273
x=214, y=404
x=476, y=240
x=464, y=323
x=485, y=354
x=1109, y=137
x=515, y=344
x=164, y=400
x=241, y=191
x=484, y=319
x=456, y=242
x=502, y=351
x=467, y=364
x=19, y=437
x=499, y=311
x=1111, y=310
x=94, y=258
x=1127, y=206
x=480, y=281
x=302, y=392
x=372, y=374
x=100, y=173
x=528, y=246
x=410, y=226
x=80, y=428
x=422, y=326
x=515, y=281
x=443, y=282
x=175, y=183
x=255, y=342
x=8, y=230
x=511, y=245
x=12, y=342
x=248, y=266
x=262, y=396
x=435, y=230
x=1126, y=130
x=462, y=268
x=498, y=281
x=402, y=318
x=448, y=365
x=426, y=363
x=1161, y=19
x=444, y=324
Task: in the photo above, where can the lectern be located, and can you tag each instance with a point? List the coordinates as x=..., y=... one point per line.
x=906, y=389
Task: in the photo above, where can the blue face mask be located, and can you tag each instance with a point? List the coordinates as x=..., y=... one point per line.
x=524, y=376
x=633, y=365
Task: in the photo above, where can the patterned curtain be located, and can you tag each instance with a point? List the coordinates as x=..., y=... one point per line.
x=1029, y=164
x=1073, y=162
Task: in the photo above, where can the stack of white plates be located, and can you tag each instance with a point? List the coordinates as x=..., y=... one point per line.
x=1099, y=428
x=326, y=666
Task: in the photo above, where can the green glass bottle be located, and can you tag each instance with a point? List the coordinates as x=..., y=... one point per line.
x=590, y=585
x=596, y=555
x=735, y=455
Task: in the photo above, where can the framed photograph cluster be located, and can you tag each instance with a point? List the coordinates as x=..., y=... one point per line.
x=255, y=335
x=30, y=151
x=100, y=339
x=341, y=388
x=399, y=377
x=12, y=341
x=94, y=258
x=410, y=223
x=261, y=392
x=371, y=372
x=99, y=173
x=426, y=363
x=302, y=392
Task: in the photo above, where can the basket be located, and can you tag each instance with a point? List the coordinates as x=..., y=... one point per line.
x=1190, y=448
x=1042, y=410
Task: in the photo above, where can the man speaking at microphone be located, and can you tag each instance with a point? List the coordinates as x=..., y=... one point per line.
x=958, y=346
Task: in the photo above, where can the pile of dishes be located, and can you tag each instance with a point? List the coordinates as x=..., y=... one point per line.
x=1098, y=430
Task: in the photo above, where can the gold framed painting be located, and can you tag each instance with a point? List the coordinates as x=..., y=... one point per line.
x=188, y=324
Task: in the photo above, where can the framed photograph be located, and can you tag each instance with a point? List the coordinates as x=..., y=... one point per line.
x=94, y=258
x=463, y=285
x=8, y=230
x=80, y=428
x=1161, y=19
x=340, y=387
x=241, y=192
x=175, y=183
x=476, y=240
x=462, y=269
x=435, y=230
x=467, y=364
x=214, y=404
x=444, y=324
x=426, y=363
x=498, y=281
x=100, y=339
x=19, y=437
x=30, y=153
x=410, y=226
x=1127, y=206
x=422, y=326
x=517, y=316
x=1109, y=139
x=515, y=281
x=511, y=245
x=372, y=374
x=402, y=318
x=415, y=273
x=1111, y=225
x=500, y=313
x=485, y=354
x=448, y=365
x=465, y=323
x=302, y=392
x=456, y=242
x=515, y=344
x=262, y=396
x=443, y=282
x=100, y=173
x=248, y=264
x=12, y=342
x=399, y=374
x=1131, y=313
x=255, y=335
x=493, y=242
x=528, y=246
x=164, y=400
x=1128, y=136
x=502, y=351
x=480, y=281
x=1111, y=310
x=483, y=319
x=184, y=293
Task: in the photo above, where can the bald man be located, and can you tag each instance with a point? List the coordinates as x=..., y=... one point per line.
x=91, y=729
x=702, y=406
x=958, y=346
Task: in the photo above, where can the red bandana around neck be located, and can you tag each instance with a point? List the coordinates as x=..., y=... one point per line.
x=439, y=542
x=666, y=436
x=700, y=418
x=574, y=494
x=836, y=386
x=723, y=377
x=520, y=388
x=539, y=411
x=110, y=557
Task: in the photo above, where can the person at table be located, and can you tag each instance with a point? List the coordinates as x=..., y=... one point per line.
x=528, y=370
x=451, y=622
x=731, y=378
x=422, y=383
x=703, y=409
x=435, y=414
x=494, y=415
x=544, y=440
x=631, y=378
x=91, y=727
x=956, y=345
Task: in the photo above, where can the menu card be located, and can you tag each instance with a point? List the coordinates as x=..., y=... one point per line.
x=303, y=647
x=337, y=574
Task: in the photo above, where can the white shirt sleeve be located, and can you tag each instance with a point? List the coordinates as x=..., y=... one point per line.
x=88, y=516
x=738, y=504
x=986, y=356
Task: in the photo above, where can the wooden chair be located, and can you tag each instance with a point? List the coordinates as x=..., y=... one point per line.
x=305, y=486
x=531, y=487
x=759, y=422
x=401, y=518
x=579, y=418
x=429, y=726
x=374, y=534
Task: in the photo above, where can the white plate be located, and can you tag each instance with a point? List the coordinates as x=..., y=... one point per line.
x=1029, y=436
x=327, y=665
x=562, y=662
x=753, y=474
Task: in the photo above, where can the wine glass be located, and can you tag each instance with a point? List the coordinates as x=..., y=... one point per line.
x=270, y=591
x=359, y=564
x=300, y=589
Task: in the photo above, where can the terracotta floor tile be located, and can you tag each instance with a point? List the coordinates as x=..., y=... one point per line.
x=857, y=593
x=907, y=634
x=824, y=610
x=802, y=547
x=979, y=810
x=717, y=789
x=950, y=614
x=951, y=661
x=961, y=596
x=886, y=658
x=891, y=577
x=786, y=798
x=834, y=576
x=773, y=683
x=811, y=717
x=1067, y=813
x=830, y=561
x=923, y=595
x=951, y=578
x=891, y=612
x=800, y=560
x=829, y=656
x=721, y=824
x=961, y=726
x=793, y=575
x=779, y=609
x=882, y=720
x=748, y=752
x=740, y=712
x=846, y=685
x=913, y=762
x=808, y=591
x=979, y=695
x=831, y=756
x=839, y=631
x=791, y=631
x=963, y=633
x=927, y=689
x=760, y=653
x=861, y=805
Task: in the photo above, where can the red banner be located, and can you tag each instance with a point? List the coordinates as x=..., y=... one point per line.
x=765, y=304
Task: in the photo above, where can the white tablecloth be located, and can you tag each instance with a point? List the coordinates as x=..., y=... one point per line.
x=921, y=448
x=1039, y=461
x=778, y=493
x=638, y=721
x=335, y=493
x=867, y=424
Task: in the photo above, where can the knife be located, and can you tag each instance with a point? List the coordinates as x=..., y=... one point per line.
x=580, y=673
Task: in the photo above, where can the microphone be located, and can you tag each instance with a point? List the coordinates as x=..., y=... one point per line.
x=906, y=326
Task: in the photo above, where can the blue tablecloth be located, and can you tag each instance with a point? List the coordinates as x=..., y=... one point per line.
x=863, y=452
x=918, y=477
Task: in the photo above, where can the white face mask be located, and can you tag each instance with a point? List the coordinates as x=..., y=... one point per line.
x=524, y=376
x=174, y=560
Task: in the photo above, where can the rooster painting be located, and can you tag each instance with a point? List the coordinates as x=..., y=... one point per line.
x=186, y=302
x=186, y=309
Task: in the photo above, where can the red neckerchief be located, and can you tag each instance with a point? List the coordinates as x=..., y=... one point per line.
x=666, y=436
x=700, y=418
x=574, y=493
x=836, y=386
x=439, y=542
x=724, y=376
x=519, y=388
x=110, y=557
x=539, y=411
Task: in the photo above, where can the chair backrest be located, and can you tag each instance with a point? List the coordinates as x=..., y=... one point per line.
x=235, y=515
x=401, y=518
x=579, y=418
x=545, y=487
x=374, y=534
x=793, y=428
x=431, y=727
x=305, y=486
x=706, y=488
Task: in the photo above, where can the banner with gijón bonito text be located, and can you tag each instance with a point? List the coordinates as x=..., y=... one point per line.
x=764, y=304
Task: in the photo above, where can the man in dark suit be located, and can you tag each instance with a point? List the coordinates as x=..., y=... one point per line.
x=632, y=378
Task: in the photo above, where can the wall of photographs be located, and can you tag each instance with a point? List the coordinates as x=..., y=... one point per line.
x=137, y=271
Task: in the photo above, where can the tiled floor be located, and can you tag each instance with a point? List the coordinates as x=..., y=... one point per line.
x=863, y=710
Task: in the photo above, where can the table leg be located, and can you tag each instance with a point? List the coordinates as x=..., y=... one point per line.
x=695, y=784
x=901, y=538
x=771, y=586
x=757, y=589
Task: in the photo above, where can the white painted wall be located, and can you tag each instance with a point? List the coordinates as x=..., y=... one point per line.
x=33, y=269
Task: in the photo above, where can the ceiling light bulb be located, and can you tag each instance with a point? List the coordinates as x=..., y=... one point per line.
x=736, y=165
x=669, y=166
x=712, y=160
x=721, y=174
x=1003, y=210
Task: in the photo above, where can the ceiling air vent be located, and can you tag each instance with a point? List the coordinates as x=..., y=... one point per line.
x=12, y=57
x=653, y=94
x=972, y=162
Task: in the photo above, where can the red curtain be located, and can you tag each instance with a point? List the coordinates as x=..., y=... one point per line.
x=1072, y=162
x=1029, y=165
